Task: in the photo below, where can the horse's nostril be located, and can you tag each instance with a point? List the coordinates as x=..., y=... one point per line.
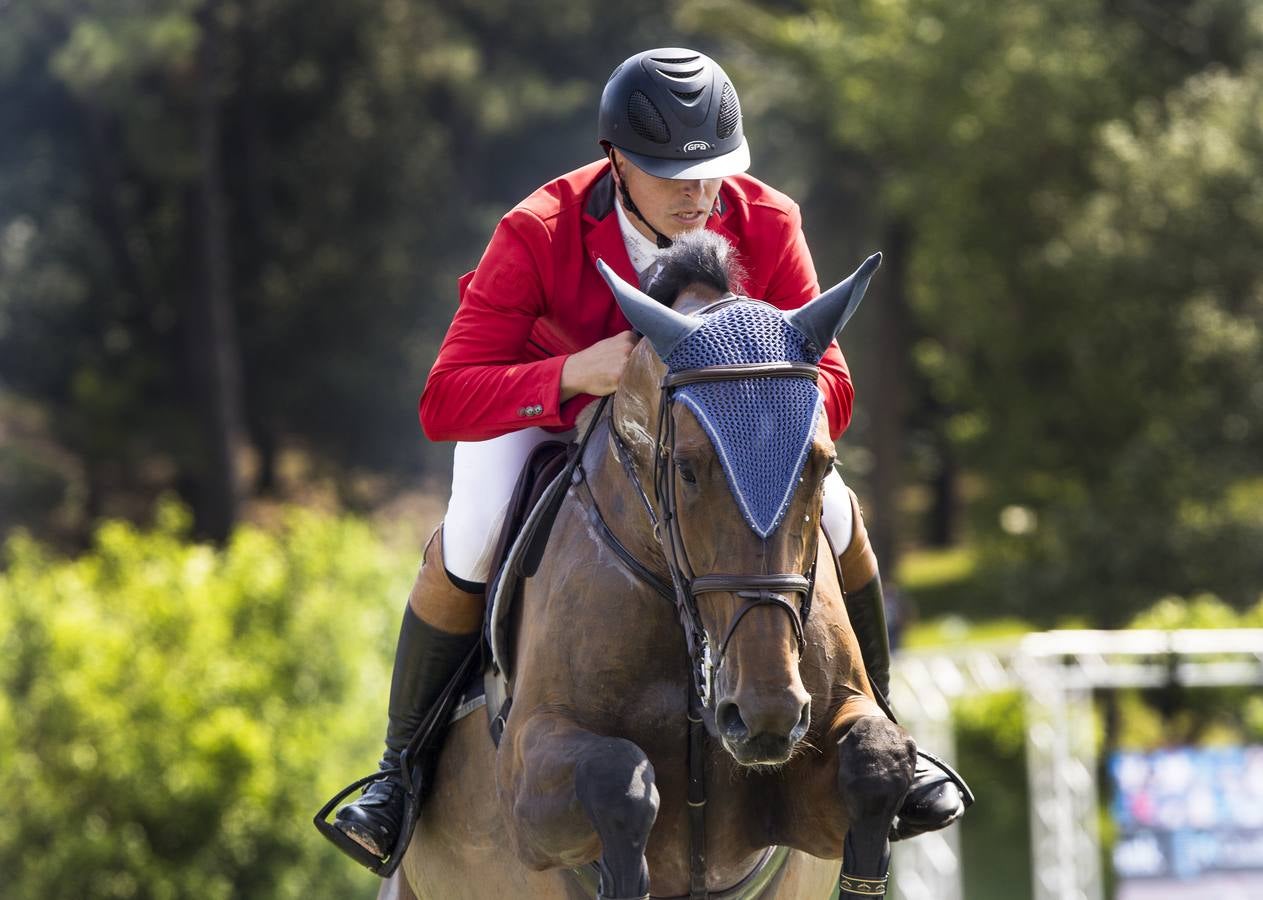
x=728, y=716
x=804, y=720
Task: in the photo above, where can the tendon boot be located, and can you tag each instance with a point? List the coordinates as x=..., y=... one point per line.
x=441, y=625
x=938, y=795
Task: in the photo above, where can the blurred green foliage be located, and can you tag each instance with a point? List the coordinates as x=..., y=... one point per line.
x=1073, y=190
x=171, y=715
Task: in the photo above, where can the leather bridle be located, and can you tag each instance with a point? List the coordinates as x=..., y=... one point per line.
x=755, y=590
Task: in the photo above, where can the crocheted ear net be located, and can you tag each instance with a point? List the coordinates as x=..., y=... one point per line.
x=761, y=428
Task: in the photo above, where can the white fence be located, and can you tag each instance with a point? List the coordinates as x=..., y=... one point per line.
x=1056, y=672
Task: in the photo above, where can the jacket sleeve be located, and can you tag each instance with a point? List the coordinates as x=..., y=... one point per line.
x=792, y=284
x=481, y=385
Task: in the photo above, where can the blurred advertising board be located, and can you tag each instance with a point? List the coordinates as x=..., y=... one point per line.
x=1189, y=823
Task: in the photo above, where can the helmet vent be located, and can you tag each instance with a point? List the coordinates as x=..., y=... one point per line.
x=645, y=119
x=688, y=96
x=729, y=113
x=682, y=76
x=675, y=61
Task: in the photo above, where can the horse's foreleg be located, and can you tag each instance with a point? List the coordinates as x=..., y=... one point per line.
x=615, y=786
x=876, y=759
x=576, y=795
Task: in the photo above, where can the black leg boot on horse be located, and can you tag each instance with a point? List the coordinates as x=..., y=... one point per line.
x=938, y=795
x=441, y=626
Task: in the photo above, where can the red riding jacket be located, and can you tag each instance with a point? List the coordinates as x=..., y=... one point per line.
x=536, y=297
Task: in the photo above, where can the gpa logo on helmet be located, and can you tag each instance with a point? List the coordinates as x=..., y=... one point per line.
x=697, y=146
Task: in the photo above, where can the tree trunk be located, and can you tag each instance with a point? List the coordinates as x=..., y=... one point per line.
x=213, y=349
x=888, y=389
x=941, y=524
x=253, y=212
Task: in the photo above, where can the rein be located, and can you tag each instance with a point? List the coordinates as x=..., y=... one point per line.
x=755, y=590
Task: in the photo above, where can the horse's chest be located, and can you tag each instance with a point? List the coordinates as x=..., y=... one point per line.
x=650, y=713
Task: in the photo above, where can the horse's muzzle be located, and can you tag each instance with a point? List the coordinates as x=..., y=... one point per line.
x=774, y=741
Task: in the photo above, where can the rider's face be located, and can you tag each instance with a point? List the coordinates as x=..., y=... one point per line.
x=671, y=205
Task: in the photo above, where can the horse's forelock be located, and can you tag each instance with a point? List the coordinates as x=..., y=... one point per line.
x=697, y=257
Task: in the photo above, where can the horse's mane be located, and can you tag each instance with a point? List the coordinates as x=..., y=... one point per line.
x=698, y=257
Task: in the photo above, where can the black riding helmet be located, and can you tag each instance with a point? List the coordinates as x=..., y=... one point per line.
x=674, y=114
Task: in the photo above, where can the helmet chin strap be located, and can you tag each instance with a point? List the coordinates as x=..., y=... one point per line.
x=630, y=205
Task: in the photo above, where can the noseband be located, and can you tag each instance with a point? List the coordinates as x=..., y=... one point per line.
x=755, y=590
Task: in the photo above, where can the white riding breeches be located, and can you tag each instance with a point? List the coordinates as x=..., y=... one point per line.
x=484, y=474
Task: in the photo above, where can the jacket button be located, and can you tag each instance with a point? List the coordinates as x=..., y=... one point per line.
x=521, y=410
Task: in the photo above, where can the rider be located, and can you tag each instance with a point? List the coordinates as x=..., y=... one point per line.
x=538, y=335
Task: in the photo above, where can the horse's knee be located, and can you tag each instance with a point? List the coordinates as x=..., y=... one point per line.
x=877, y=759
x=616, y=788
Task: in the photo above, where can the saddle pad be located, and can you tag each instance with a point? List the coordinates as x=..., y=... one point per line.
x=524, y=526
x=504, y=588
x=473, y=698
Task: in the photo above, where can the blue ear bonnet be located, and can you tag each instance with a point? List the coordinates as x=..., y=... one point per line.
x=762, y=428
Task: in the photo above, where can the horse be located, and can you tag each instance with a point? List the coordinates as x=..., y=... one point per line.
x=676, y=734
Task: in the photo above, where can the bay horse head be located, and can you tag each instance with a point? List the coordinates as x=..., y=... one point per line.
x=719, y=414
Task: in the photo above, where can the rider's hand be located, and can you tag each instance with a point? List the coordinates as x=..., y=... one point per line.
x=596, y=370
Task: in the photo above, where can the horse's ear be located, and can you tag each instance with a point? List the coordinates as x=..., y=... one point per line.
x=823, y=318
x=663, y=326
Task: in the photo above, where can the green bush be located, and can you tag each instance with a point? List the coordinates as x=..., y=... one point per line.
x=171, y=715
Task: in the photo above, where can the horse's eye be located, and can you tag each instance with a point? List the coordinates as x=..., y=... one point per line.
x=685, y=469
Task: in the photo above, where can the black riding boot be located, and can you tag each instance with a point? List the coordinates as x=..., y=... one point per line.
x=426, y=659
x=936, y=798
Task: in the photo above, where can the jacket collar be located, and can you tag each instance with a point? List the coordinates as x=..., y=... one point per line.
x=604, y=239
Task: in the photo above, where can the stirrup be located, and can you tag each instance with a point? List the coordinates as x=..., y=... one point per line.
x=952, y=777
x=966, y=794
x=383, y=866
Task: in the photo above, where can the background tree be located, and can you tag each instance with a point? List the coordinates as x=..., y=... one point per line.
x=972, y=141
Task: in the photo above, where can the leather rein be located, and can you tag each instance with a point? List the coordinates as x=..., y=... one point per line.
x=686, y=584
